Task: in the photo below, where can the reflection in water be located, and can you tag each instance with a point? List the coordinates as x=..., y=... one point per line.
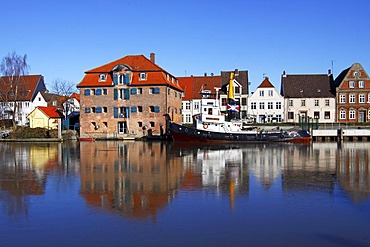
x=23, y=173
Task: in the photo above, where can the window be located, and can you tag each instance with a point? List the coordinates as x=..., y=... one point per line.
x=237, y=90
x=121, y=79
x=140, y=124
x=133, y=91
x=327, y=102
x=342, y=98
x=316, y=115
x=152, y=124
x=105, y=92
x=139, y=91
x=244, y=101
x=316, y=102
x=142, y=76
x=352, y=98
x=361, y=84
x=98, y=91
x=87, y=110
x=290, y=115
x=303, y=102
x=361, y=98
x=154, y=108
x=139, y=108
x=154, y=90
x=87, y=92
x=290, y=102
x=351, y=84
x=133, y=109
x=187, y=105
x=352, y=114
x=253, y=105
x=102, y=77
x=270, y=105
x=262, y=105
x=105, y=124
x=278, y=105
x=342, y=114
x=271, y=93
x=327, y=114
x=262, y=93
x=278, y=118
x=368, y=114
x=105, y=109
x=223, y=101
x=168, y=91
x=39, y=98
x=187, y=118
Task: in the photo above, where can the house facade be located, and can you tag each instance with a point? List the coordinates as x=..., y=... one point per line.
x=308, y=97
x=47, y=117
x=17, y=95
x=352, y=89
x=266, y=105
x=195, y=89
x=128, y=97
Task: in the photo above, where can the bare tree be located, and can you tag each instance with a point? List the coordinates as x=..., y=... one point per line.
x=62, y=87
x=13, y=67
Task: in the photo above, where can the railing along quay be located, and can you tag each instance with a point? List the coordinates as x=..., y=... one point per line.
x=346, y=134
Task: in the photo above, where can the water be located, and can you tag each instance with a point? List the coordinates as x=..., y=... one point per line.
x=155, y=194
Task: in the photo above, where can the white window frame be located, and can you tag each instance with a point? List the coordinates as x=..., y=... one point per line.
x=361, y=98
x=342, y=98
x=327, y=102
x=271, y=93
x=342, y=114
x=270, y=105
x=351, y=84
x=278, y=105
x=254, y=105
x=303, y=102
x=290, y=102
x=361, y=84
x=352, y=98
x=317, y=102
x=102, y=77
x=262, y=105
x=262, y=93
x=352, y=114
x=142, y=76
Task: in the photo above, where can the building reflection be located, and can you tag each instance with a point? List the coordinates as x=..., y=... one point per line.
x=353, y=165
x=23, y=172
x=135, y=179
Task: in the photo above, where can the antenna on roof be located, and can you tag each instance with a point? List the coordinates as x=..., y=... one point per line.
x=332, y=66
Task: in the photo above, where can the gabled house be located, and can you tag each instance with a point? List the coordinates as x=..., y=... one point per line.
x=128, y=97
x=241, y=90
x=47, y=117
x=197, y=88
x=352, y=89
x=16, y=97
x=308, y=97
x=266, y=105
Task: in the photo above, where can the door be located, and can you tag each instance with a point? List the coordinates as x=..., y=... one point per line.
x=122, y=127
x=361, y=116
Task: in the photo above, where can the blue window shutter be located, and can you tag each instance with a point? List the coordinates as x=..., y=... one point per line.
x=87, y=92
x=156, y=108
x=115, y=110
x=115, y=79
x=127, y=79
x=115, y=94
x=87, y=110
x=98, y=110
x=98, y=91
x=133, y=91
x=127, y=112
x=133, y=109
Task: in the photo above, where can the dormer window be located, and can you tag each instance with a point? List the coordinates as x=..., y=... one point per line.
x=102, y=77
x=142, y=76
x=356, y=74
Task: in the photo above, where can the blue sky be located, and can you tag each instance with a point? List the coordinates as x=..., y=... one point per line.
x=62, y=39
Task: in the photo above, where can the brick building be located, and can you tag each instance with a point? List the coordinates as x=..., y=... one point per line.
x=128, y=97
x=352, y=89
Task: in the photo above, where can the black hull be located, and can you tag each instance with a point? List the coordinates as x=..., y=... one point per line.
x=184, y=133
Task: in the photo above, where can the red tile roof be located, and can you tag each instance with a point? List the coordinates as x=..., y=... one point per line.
x=49, y=111
x=75, y=96
x=26, y=86
x=195, y=84
x=265, y=83
x=138, y=63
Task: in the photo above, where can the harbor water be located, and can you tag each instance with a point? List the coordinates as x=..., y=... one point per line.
x=114, y=193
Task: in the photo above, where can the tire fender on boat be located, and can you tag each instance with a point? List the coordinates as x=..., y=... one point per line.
x=205, y=126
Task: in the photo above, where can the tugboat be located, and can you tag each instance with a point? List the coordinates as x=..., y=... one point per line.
x=211, y=126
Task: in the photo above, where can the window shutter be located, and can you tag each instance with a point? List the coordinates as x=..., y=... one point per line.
x=98, y=91
x=133, y=109
x=133, y=91
x=115, y=94
x=87, y=110
x=87, y=92
x=127, y=79
x=156, y=108
x=115, y=111
x=126, y=93
x=156, y=90
x=115, y=79
x=98, y=110
x=127, y=112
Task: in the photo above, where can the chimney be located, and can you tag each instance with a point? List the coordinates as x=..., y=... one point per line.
x=236, y=73
x=329, y=71
x=152, y=57
x=205, y=74
x=284, y=73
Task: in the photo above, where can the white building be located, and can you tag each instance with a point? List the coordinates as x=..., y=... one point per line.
x=266, y=105
x=308, y=98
